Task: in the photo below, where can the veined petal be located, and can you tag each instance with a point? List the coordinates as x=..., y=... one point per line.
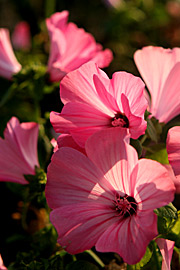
x=78, y=85
x=66, y=140
x=169, y=105
x=113, y=156
x=128, y=239
x=132, y=87
x=137, y=125
x=81, y=120
x=166, y=247
x=154, y=65
x=18, y=154
x=73, y=178
x=79, y=230
x=152, y=182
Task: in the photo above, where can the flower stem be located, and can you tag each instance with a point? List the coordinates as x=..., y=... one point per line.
x=95, y=257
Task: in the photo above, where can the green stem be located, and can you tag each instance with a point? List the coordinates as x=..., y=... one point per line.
x=156, y=257
x=143, y=139
x=95, y=257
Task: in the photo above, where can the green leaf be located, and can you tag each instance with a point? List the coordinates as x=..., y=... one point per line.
x=137, y=145
x=157, y=152
x=83, y=265
x=154, y=129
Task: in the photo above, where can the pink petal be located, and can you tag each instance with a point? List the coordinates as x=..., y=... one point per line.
x=128, y=239
x=8, y=62
x=169, y=105
x=155, y=64
x=132, y=87
x=18, y=155
x=166, y=247
x=58, y=19
x=78, y=86
x=54, y=144
x=137, y=125
x=118, y=164
x=81, y=120
x=152, y=182
x=66, y=140
x=2, y=267
x=173, y=149
x=79, y=230
x=107, y=99
x=176, y=179
x=73, y=178
x=80, y=46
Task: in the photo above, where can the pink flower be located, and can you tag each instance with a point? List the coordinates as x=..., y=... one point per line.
x=8, y=62
x=166, y=247
x=71, y=47
x=2, y=267
x=21, y=37
x=160, y=69
x=106, y=199
x=18, y=151
x=173, y=149
x=93, y=102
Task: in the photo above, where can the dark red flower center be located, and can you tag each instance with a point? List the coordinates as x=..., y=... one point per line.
x=120, y=120
x=125, y=206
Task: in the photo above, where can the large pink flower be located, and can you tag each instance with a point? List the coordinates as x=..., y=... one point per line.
x=173, y=149
x=18, y=151
x=71, y=47
x=106, y=199
x=160, y=69
x=93, y=102
x=8, y=62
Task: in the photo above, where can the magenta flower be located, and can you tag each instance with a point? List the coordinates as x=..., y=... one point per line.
x=173, y=149
x=18, y=151
x=106, y=199
x=21, y=37
x=93, y=102
x=160, y=69
x=71, y=47
x=8, y=62
x=166, y=247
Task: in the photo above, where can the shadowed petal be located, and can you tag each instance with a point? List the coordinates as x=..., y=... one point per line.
x=128, y=239
x=152, y=182
x=80, y=229
x=166, y=247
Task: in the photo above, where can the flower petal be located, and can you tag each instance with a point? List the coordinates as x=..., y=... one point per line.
x=73, y=178
x=152, y=183
x=80, y=227
x=166, y=247
x=113, y=156
x=173, y=149
x=128, y=239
